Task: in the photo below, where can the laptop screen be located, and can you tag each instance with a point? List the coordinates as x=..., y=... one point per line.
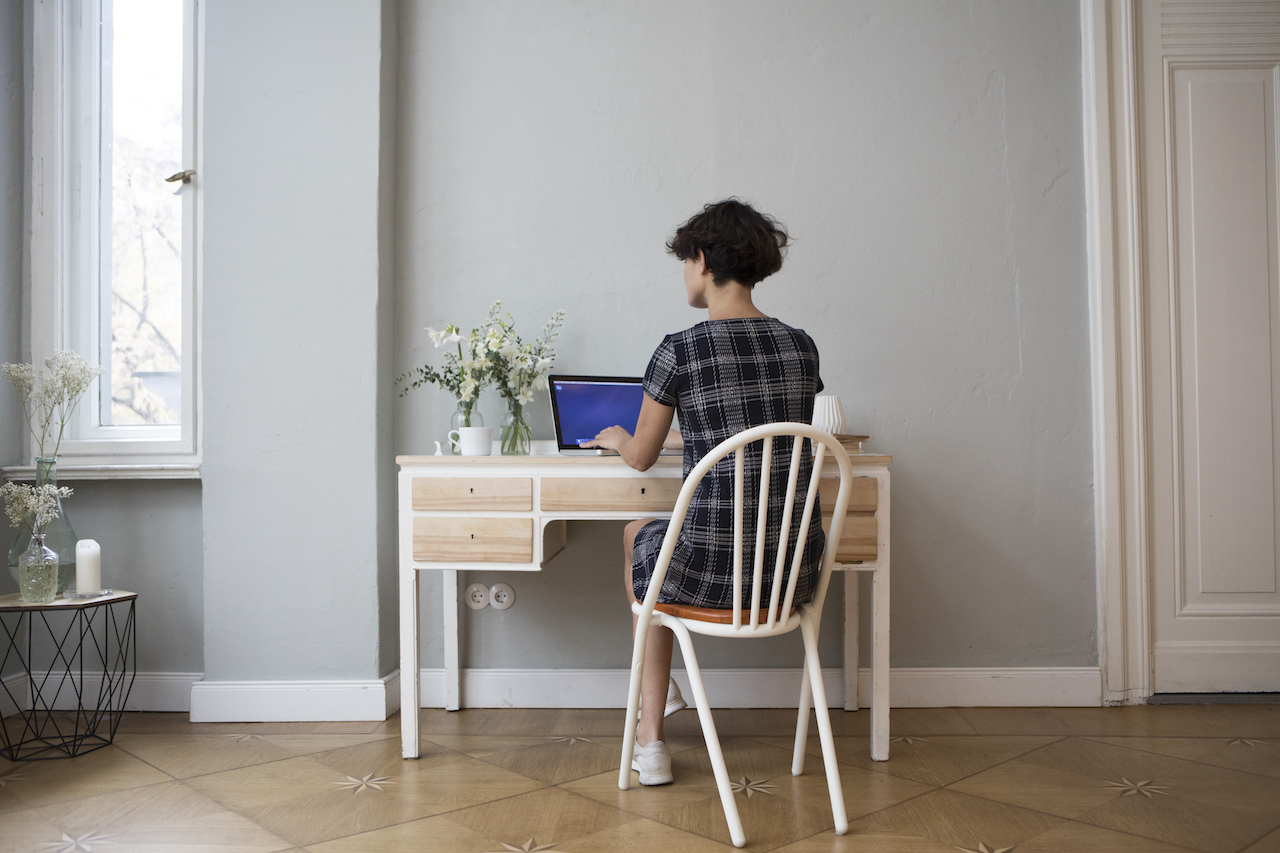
x=584, y=405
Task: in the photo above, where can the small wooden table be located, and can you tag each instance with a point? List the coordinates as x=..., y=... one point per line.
x=72, y=702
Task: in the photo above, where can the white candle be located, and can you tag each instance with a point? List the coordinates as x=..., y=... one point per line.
x=88, y=566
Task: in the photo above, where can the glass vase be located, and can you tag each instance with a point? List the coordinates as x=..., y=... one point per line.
x=516, y=437
x=58, y=535
x=38, y=572
x=466, y=415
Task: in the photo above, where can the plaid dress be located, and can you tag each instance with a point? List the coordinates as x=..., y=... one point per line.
x=722, y=377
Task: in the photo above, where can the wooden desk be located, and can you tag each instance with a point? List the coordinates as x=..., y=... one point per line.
x=510, y=513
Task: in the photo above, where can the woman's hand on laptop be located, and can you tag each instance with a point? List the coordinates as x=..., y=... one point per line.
x=641, y=450
x=610, y=438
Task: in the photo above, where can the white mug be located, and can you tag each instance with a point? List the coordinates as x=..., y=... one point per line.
x=471, y=441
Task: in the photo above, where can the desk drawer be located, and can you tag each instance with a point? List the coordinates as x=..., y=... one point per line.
x=857, y=538
x=620, y=494
x=473, y=540
x=862, y=498
x=467, y=493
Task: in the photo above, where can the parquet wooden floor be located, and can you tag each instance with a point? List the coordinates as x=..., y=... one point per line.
x=985, y=780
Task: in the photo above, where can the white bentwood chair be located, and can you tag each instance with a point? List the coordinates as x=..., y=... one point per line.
x=780, y=617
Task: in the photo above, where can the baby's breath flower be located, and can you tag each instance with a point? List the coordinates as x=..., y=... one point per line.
x=49, y=399
x=22, y=376
x=32, y=507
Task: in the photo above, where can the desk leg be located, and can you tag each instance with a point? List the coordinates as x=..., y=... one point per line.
x=852, y=580
x=452, y=672
x=880, y=664
x=410, y=689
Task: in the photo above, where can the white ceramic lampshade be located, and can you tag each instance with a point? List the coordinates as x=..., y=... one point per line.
x=828, y=414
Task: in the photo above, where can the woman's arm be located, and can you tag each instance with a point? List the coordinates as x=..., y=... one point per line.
x=641, y=450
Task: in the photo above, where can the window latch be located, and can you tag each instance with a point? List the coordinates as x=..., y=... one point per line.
x=184, y=176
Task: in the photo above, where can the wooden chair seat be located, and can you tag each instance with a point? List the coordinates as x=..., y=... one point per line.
x=710, y=614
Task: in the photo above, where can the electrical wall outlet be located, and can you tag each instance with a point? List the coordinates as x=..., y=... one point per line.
x=501, y=596
x=477, y=596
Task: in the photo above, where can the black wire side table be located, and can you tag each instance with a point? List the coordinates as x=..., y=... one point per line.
x=80, y=658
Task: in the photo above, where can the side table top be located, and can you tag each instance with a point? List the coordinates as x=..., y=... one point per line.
x=14, y=602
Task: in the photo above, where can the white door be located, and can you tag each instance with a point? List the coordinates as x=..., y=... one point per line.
x=1209, y=84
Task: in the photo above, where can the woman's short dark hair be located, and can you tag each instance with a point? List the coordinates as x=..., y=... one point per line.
x=736, y=242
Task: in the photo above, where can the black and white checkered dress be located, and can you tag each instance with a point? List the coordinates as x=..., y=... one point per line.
x=725, y=376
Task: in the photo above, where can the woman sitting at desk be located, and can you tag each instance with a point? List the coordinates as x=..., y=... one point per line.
x=738, y=369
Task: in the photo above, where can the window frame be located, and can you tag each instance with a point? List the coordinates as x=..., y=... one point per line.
x=67, y=207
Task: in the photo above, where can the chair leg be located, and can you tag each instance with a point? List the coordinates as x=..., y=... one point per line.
x=802, y=725
x=736, y=832
x=633, y=706
x=814, y=668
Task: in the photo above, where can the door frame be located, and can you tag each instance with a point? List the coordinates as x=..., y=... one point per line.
x=1110, y=35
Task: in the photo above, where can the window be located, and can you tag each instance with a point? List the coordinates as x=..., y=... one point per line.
x=115, y=230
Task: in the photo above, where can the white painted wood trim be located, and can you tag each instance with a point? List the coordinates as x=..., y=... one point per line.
x=777, y=688
x=294, y=701
x=152, y=691
x=377, y=699
x=1117, y=343
x=71, y=471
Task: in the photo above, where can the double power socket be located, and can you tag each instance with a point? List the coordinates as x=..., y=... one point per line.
x=500, y=596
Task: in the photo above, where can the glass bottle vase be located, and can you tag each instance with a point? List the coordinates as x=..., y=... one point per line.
x=38, y=572
x=516, y=437
x=466, y=415
x=58, y=536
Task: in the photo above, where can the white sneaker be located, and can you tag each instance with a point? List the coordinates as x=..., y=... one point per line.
x=654, y=763
x=675, y=702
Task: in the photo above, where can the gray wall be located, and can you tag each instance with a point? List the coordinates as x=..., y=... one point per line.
x=927, y=158
x=292, y=379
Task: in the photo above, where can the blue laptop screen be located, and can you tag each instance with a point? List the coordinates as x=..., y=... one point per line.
x=585, y=408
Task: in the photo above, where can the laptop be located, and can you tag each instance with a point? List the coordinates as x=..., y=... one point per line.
x=582, y=406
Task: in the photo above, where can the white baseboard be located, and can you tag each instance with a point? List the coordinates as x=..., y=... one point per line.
x=942, y=687
x=294, y=701
x=377, y=699
x=990, y=687
x=151, y=691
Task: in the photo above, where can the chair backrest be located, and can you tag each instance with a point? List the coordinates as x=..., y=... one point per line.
x=779, y=603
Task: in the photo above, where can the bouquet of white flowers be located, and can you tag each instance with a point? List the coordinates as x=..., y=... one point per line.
x=518, y=369
x=51, y=397
x=465, y=372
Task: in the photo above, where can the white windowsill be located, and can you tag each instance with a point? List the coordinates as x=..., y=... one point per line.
x=68, y=471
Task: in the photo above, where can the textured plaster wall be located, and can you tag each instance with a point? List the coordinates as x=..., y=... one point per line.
x=927, y=158
x=292, y=376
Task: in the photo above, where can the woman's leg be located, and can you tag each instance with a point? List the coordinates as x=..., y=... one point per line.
x=657, y=653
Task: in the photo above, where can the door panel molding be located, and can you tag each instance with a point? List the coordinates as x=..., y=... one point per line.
x=1220, y=260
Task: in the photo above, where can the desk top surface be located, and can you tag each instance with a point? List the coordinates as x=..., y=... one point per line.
x=545, y=453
